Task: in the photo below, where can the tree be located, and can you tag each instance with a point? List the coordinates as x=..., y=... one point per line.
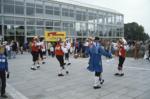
x=134, y=31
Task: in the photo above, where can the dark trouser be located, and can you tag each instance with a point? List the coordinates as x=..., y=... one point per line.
x=49, y=53
x=67, y=56
x=41, y=54
x=3, y=81
x=35, y=56
x=60, y=58
x=121, y=61
x=97, y=74
x=52, y=53
x=149, y=54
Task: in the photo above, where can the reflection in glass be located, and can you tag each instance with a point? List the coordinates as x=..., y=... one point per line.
x=9, y=30
x=30, y=30
x=40, y=31
x=8, y=9
x=0, y=29
x=30, y=11
x=30, y=21
x=19, y=30
x=19, y=10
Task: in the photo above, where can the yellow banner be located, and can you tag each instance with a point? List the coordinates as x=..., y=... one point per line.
x=53, y=36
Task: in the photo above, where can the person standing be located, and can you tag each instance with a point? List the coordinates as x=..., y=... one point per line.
x=14, y=49
x=122, y=55
x=34, y=52
x=60, y=56
x=3, y=71
x=95, y=61
x=136, y=49
x=68, y=46
x=149, y=51
x=8, y=50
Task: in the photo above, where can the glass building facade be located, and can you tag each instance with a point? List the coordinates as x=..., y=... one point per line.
x=23, y=19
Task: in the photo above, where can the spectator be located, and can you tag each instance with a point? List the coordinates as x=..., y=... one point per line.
x=3, y=71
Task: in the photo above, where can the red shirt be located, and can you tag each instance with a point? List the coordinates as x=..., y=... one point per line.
x=34, y=47
x=122, y=52
x=58, y=50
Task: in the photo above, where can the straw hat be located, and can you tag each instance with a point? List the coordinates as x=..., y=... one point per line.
x=124, y=41
x=91, y=38
x=35, y=37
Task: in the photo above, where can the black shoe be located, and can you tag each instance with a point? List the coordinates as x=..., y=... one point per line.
x=69, y=64
x=116, y=74
x=38, y=66
x=122, y=74
x=97, y=87
x=60, y=75
x=67, y=72
x=4, y=96
x=102, y=81
x=43, y=62
x=64, y=64
x=32, y=68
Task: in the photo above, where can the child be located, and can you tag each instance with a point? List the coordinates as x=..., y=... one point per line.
x=3, y=71
x=122, y=54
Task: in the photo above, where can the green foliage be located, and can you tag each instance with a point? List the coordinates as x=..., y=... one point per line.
x=134, y=31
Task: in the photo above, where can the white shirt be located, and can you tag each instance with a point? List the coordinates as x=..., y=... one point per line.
x=8, y=47
x=68, y=45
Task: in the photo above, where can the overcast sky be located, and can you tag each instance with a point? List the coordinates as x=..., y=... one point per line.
x=133, y=10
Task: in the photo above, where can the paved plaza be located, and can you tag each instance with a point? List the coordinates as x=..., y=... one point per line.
x=45, y=84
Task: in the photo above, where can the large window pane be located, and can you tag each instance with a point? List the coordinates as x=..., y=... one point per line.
x=0, y=29
x=19, y=10
x=0, y=6
x=50, y=28
x=8, y=9
x=39, y=22
x=40, y=31
x=65, y=12
x=39, y=6
x=39, y=11
x=49, y=23
x=0, y=25
x=0, y=20
x=8, y=20
x=19, y=21
x=49, y=12
x=19, y=30
x=71, y=13
x=30, y=21
x=9, y=30
x=8, y=1
x=30, y=30
x=19, y=2
x=30, y=11
x=56, y=11
x=56, y=23
x=78, y=15
x=30, y=4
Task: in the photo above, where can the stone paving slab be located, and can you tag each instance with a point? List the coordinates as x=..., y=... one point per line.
x=45, y=84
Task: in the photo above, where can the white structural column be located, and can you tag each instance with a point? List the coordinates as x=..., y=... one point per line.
x=122, y=25
x=103, y=24
x=2, y=20
x=61, y=22
x=25, y=24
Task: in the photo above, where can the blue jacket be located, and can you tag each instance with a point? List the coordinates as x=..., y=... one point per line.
x=95, y=61
x=3, y=63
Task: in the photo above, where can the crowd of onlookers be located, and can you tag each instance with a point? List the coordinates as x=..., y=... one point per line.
x=136, y=49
